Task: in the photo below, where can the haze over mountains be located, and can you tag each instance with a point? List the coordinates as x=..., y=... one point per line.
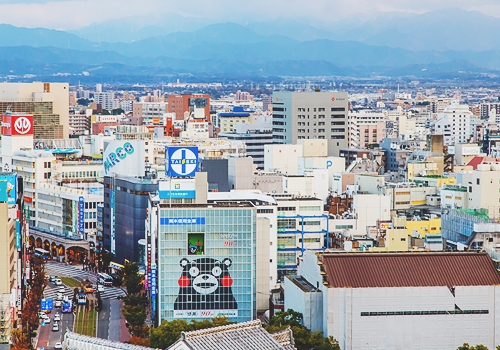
x=450, y=42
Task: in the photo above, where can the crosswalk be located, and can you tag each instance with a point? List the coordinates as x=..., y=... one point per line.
x=58, y=269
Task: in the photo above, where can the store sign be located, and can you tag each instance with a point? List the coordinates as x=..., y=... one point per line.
x=17, y=125
x=81, y=214
x=75, y=216
x=177, y=188
x=124, y=158
x=112, y=205
x=182, y=221
x=11, y=189
x=205, y=289
x=153, y=280
x=18, y=234
x=181, y=161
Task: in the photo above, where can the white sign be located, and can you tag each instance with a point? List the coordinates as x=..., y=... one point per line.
x=124, y=158
x=177, y=188
x=204, y=313
x=22, y=125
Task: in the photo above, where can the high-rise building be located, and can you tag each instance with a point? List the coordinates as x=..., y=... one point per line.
x=311, y=115
x=179, y=104
x=454, y=124
x=47, y=102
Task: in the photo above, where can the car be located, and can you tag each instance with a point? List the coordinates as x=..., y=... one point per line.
x=58, y=345
x=52, y=278
x=55, y=327
x=58, y=303
x=58, y=282
x=100, y=288
x=89, y=288
x=41, y=314
x=57, y=317
x=59, y=296
x=46, y=319
x=62, y=289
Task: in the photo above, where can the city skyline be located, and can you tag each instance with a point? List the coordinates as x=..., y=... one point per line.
x=57, y=14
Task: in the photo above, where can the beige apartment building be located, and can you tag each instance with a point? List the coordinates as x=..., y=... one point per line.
x=47, y=102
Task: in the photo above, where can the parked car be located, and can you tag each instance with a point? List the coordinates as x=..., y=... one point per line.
x=46, y=319
x=41, y=314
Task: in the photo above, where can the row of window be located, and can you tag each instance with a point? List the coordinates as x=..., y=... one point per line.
x=421, y=313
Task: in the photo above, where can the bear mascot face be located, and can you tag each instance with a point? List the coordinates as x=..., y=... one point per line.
x=205, y=284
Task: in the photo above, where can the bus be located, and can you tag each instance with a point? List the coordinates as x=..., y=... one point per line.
x=81, y=298
x=66, y=307
x=105, y=279
x=42, y=253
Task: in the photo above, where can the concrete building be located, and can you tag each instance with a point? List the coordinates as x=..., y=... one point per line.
x=149, y=111
x=47, y=102
x=454, y=123
x=481, y=184
x=311, y=115
x=398, y=300
x=282, y=158
x=180, y=104
x=366, y=128
x=106, y=100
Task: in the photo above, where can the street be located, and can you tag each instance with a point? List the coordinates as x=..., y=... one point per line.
x=108, y=318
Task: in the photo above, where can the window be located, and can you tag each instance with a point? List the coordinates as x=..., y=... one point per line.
x=477, y=181
x=265, y=211
x=338, y=109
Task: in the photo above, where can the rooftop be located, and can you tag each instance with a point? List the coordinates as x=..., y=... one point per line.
x=372, y=270
x=247, y=335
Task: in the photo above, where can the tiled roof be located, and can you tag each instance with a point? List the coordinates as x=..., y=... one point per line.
x=365, y=270
x=240, y=336
x=285, y=338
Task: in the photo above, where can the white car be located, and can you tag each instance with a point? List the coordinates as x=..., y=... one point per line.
x=55, y=327
x=62, y=289
x=58, y=282
x=58, y=303
x=46, y=319
x=57, y=317
x=58, y=345
x=100, y=288
x=59, y=296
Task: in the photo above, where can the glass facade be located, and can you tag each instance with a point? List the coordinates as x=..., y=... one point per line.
x=206, y=262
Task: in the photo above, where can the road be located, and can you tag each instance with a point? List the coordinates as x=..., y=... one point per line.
x=109, y=316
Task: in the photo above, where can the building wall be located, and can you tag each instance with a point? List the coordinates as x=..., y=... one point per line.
x=217, y=171
x=482, y=183
x=308, y=303
x=228, y=233
x=7, y=250
x=423, y=227
x=282, y=158
x=263, y=260
x=311, y=115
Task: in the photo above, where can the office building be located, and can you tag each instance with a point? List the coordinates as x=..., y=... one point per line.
x=47, y=102
x=454, y=123
x=180, y=104
x=311, y=115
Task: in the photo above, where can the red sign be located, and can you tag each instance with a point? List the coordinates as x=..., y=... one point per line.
x=17, y=125
x=333, y=99
x=28, y=199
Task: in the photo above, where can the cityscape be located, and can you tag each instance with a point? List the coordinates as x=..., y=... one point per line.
x=288, y=182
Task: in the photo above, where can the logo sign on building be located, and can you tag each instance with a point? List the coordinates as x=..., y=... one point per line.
x=112, y=206
x=75, y=216
x=124, y=158
x=153, y=280
x=181, y=161
x=81, y=213
x=205, y=289
x=17, y=125
x=177, y=188
x=18, y=234
x=11, y=190
x=182, y=221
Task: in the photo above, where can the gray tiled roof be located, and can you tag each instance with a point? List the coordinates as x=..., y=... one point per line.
x=240, y=336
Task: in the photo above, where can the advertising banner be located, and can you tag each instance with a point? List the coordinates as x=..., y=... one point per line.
x=18, y=234
x=81, y=215
x=177, y=188
x=74, y=216
x=17, y=125
x=112, y=205
x=153, y=280
x=11, y=180
x=124, y=158
x=181, y=161
x=182, y=221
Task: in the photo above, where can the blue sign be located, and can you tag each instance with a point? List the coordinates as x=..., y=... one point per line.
x=181, y=161
x=153, y=281
x=81, y=212
x=43, y=305
x=112, y=204
x=11, y=189
x=50, y=303
x=182, y=221
x=18, y=234
x=178, y=194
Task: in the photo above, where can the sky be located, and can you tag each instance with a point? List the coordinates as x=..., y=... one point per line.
x=75, y=14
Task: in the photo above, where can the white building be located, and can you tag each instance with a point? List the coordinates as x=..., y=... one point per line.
x=282, y=158
x=366, y=127
x=454, y=123
x=398, y=301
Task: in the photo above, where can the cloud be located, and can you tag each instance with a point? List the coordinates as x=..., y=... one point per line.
x=73, y=14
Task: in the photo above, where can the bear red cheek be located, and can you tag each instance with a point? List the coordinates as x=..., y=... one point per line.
x=184, y=281
x=226, y=281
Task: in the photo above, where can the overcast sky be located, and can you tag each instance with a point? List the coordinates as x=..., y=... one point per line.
x=74, y=14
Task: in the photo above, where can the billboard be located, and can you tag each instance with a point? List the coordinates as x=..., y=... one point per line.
x=177, y=188
x=17, y=125
x=11, y=190
x=181, y=161
x=469, y=151
x=153, y=280
x=124, y=158
x=112, y=216
x=205, y=289
x=81, y=219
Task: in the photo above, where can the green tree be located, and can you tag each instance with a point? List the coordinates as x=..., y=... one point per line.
x=106, y=259
x=83, y=102
x=132, y=279
x=169, y=331
x=466, y=346
x=117, y=111
x=304, y=338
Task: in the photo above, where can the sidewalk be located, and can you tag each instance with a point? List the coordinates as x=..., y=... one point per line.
x=124, y=333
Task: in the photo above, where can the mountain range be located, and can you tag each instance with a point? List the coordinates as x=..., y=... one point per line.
x=445, y=43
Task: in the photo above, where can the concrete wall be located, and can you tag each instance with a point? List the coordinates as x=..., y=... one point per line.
x=282, y=158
